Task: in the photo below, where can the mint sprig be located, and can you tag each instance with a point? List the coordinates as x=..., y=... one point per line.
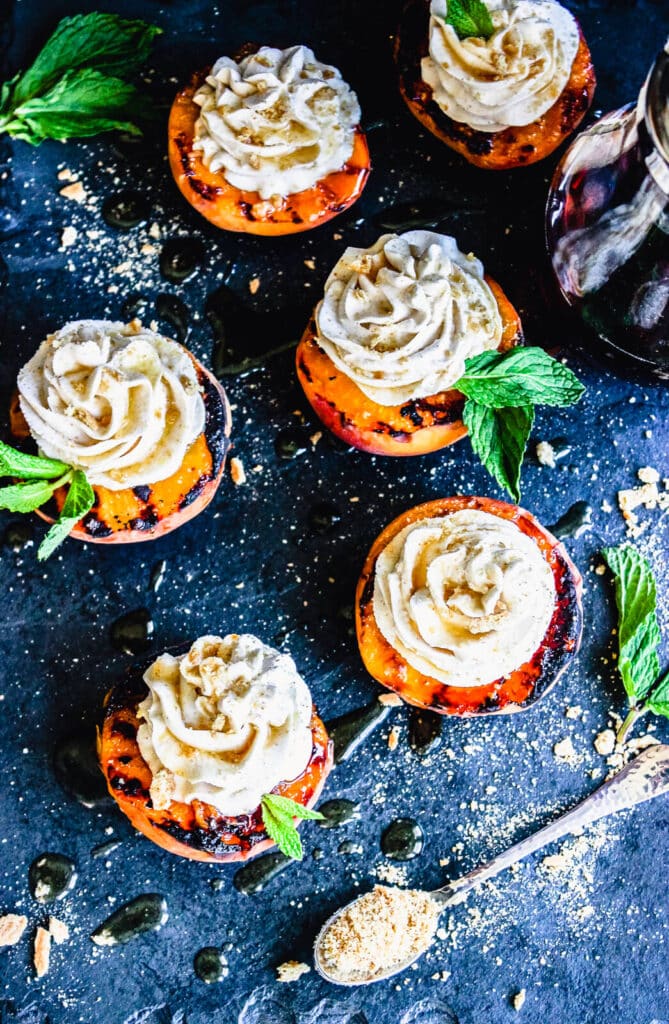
x=38, y=479
x=469, y=18
x=278, y=814
x=638, y=636
x=502, y=390
x=77, y=85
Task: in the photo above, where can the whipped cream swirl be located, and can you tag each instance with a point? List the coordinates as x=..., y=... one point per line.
x=277, y=122
x=510, y=79
x=224, y=724
x=400, y=318
x=116, y=400
x=464, y=598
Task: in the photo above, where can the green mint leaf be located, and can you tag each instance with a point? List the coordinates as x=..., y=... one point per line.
x=112, y=45
x=657, y=700
x=82, y=103
x=27, y=497
x=282, y=830
x=499, y=438
x=282, y=806
x=638, y=629
x=469, y=18
x=79, y=500
x=521, y=376
x=28, y=467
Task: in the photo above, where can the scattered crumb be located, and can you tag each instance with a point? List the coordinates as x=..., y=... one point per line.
x=546, y=454
x=605, y=742
x=648, y=475
x=147, y=249
x=154, y=230
x=573, y=711
x=391, y=700
x=291, y=970
x=12, y=927
x=254, y=284
x=315, y=438
x=310, y=264
x=441, y=976
x=237, y=472
x=393, y=737
x=68, y=237
x=66, y=175
x=600, y=569
x=392, y=873
x=564, y=751
x=647, y=496
x=58, y=930
x=76, y=192
x=518, y=1001
x=41, y=951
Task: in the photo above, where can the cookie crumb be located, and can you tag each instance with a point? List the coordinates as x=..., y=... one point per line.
x=237, y=472
x=393, y=737
x=41, y=951
x=68, y=236
x=76, y=192
x=605, y=742
x=254, y=285
x=291, y=970
x=391, y=700
x=518, y=1001
x=58, y=930
x=546, y=454
x=12, y=927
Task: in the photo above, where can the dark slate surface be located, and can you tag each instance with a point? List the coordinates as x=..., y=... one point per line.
x=588, y=943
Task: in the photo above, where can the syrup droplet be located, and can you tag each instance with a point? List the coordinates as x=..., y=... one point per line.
x=210, y=965
x=157, y=577
x=176, y=313
x=349, y=848
x=125, y=210
x=337, y=812
x=76, y=767
x=424, y=731
x=349, y=731
x=575, y=521
x=290, y=443
x=255, y=875
x=132, y=633
x=18, y=535
x=323, y=517
x=402, y=840
x=51, y=876
x=146, y=913
x=104, y=849
x=180, y=258
x=134, y=307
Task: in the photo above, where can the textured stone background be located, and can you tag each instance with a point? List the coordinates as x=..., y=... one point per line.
x=588, y=944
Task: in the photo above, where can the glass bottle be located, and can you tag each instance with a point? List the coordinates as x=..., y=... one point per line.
x=607, y=227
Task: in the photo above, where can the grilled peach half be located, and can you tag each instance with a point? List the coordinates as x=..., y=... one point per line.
x=420, y=426
x=512, y=147
x=144, y=513
x=231, y=208
x=513, y=692
x=197, y=830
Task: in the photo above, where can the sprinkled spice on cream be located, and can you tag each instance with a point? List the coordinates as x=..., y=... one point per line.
x=224, y=723
x=383, y=929
x=277, y=122
x=400, y=318
x=116, y=400
x=510, y=79
x=464, y=598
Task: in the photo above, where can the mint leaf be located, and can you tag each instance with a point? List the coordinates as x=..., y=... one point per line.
x=80, y=104
x=469, y=18
x=638, y=629
x=277, y=814
x=79, y=500
x=658, y=700
x=28, y=496
x=75, y=87
x=28, y=467
x=521, y=376
x=499, y=438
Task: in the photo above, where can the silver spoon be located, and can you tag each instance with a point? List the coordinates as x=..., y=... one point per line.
x=644, y=778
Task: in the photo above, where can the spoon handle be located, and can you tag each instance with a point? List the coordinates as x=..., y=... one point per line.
x=644, y=778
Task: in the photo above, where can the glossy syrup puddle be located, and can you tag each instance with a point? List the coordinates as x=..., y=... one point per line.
x=403, y=839
x=76, y=767
x=576, y=521
x=425, y=731
x=132, y=633
x=146, y=913
x=51, y=876
x=210, y=965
